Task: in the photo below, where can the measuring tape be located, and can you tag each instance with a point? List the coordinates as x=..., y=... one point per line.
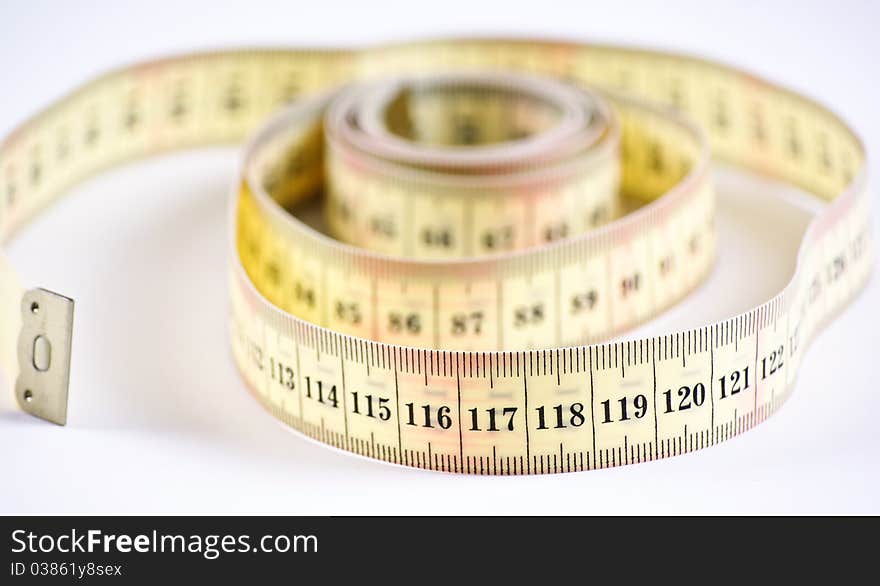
x=484, y=221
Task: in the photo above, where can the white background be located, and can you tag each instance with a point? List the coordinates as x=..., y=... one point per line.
x=159, y=421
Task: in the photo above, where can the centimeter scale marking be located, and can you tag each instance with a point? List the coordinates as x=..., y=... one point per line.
x=624, y=353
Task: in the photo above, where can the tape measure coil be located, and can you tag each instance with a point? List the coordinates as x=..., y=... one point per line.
x=621, y=385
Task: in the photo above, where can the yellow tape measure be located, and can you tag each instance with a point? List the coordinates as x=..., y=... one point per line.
x=491, y=211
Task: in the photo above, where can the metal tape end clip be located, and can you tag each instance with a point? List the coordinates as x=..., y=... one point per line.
x=44, y=345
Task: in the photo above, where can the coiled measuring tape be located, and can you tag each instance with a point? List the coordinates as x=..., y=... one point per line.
x=487, y=221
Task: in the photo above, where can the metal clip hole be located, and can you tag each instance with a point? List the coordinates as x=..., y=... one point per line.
x=42, y=353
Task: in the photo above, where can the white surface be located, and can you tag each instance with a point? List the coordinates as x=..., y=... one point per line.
x=159, y=421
